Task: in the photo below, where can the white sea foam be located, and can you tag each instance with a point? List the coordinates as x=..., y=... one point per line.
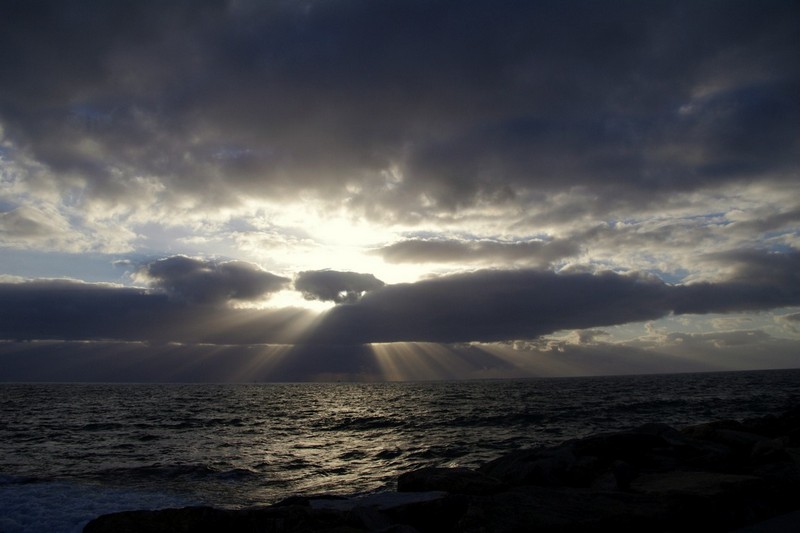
x=56, y=507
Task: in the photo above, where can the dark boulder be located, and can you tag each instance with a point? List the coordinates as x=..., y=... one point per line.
x=453, y=480
x=548, y=467
x=283, y=519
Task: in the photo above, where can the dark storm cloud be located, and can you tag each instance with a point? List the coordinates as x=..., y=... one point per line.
x=495, y=305
x=456, y=251
x=743, y=131
x=468, y=100
x=522, y=304
x=69, y=310
x=480, y=306
x=770, y=222
x=760, y=280
x=764, y=267
x=211, y=282
x=334, y=286
x=790, y=321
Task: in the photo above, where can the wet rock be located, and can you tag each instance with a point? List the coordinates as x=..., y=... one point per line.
x=625, y=446
x=624, y=473
x=550, y=467
x=283, y=519
x=785, y=425
x=549, y=509
x=382, y=501
x=740, y=442
x=454, y=480
x=433, y=516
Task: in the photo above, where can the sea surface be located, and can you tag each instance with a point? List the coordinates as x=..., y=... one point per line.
x=70, y=452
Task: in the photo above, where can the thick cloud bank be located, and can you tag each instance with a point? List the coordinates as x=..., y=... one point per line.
x=489, y=305
x=455, y=251
x=67, y=310
x=333, y=286
x=523, y=304
x=417, y=105
x=525, y=166
x=495, y=305
x=210, y=282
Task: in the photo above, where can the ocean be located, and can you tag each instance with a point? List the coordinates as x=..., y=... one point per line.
x=70, y=452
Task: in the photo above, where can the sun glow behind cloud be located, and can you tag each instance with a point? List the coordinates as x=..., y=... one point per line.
x=306, y=235
x=292, y=298
x=354, y=174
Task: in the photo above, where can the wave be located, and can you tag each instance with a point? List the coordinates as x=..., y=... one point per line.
x=366, y=423
x=254, y=443
x=179, y=472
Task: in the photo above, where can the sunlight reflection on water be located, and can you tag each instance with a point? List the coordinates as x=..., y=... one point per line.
x=238, y=445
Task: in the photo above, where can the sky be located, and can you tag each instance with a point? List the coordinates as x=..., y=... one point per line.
x=397, y=190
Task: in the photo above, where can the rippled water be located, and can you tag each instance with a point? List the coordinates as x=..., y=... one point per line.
x=240, y=445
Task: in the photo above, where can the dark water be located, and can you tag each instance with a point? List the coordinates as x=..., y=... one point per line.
x=69, y=452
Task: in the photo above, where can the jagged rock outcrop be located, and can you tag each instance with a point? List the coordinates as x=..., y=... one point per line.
x=717, y=476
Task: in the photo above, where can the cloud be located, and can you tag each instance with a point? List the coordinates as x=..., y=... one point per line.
x=334, y=286
x=27, y=227
x=589, y=336
x=210, y=282
x=769, y=220
x=70, y=310
x=757, y=280
x=218, y=102
x=495, y=305
x=483, y=251
x=47, y=228
x=25, y=223
x=763, y=267
x=722, y=350
x=483, y=306
x=528, y=137
x=63, y=309
x=143, y=362
x=791, y=322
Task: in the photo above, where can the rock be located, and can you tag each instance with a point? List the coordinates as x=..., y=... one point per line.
x=740, y=442
x=432, y=516
x=624, y=473
x=563, y=510
x=716, y=500
x=627, y=446
x=697, y=484
x=551, y=467
x=382, y=501
x=454, y=480
x=785, y=425
x=283, y=519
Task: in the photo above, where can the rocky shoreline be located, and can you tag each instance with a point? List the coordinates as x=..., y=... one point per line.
x=718, y=476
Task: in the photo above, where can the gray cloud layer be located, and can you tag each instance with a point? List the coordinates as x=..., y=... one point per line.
x=656, y=136
x=66, y=310
x=469, y=101
x=210, y=282
x=334, y=286
x=458, y=251
x=479, y=306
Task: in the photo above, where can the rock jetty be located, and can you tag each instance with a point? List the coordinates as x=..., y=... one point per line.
x=717, y=476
